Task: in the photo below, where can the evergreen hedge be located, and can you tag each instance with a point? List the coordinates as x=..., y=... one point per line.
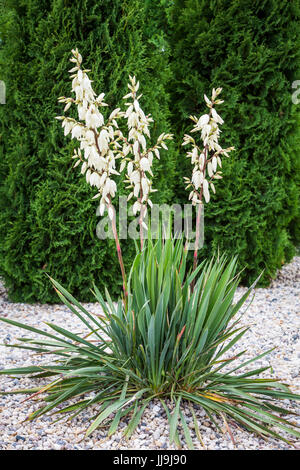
x=178, y=50
x=252, y=49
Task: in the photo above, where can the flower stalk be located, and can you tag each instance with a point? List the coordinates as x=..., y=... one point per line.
x=99, y=146
x=102, y=143
x=119, y=250
x=205, y=159
x=137, y=157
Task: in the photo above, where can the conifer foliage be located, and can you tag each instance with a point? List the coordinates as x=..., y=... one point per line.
x=251, y=48
x=177, y=49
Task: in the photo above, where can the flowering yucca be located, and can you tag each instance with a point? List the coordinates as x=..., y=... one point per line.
x=168, y=337
x=205, y=158
x=101, y=144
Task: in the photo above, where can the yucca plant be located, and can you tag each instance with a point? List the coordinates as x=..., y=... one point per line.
x=169, y=334
x=168, y=342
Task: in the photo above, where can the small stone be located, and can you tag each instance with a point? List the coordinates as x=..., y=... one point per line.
x=60, y=442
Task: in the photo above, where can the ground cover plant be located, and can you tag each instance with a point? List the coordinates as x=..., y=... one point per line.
x=168, y=335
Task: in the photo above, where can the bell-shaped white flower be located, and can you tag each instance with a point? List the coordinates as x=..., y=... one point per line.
x=95, y=180
x=77, y=131
x=94, y=118
x=203, y=121
x=196, y=179
x=136, y=189
x=135, y=177
x=136, y=207
x=214, y=163
x=145, y=164
x=145, y=186
x=103, y=140
x=194, y=155
x=206, y=191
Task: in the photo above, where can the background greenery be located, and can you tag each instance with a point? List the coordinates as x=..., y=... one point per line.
x=179, y=50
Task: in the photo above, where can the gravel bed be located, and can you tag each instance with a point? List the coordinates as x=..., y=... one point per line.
x=274, y=320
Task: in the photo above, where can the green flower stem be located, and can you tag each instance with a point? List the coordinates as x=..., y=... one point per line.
x=119, y=252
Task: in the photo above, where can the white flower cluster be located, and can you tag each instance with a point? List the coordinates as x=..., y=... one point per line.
x=135, y=154
x=101, y=144
x=98, y=141
x=207, y=158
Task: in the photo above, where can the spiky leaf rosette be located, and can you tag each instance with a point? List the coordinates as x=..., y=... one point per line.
x=168, y=343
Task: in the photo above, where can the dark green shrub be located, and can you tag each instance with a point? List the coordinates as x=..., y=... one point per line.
x=251, y=48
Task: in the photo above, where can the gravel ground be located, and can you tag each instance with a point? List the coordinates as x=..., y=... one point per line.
x=274, y=320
